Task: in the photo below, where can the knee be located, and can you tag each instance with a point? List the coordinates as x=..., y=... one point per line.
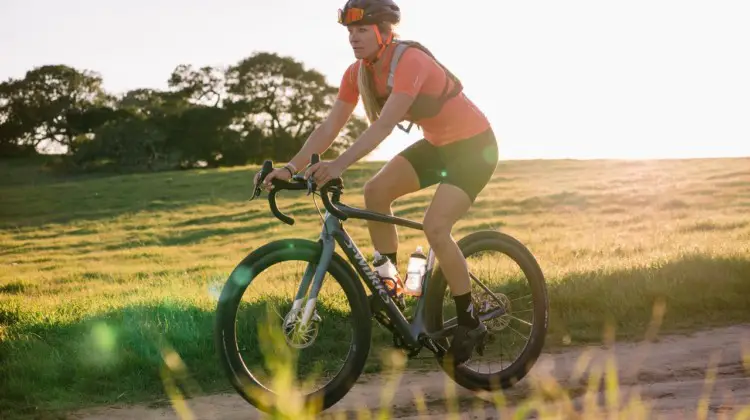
x=437, y=232
x=377, y=193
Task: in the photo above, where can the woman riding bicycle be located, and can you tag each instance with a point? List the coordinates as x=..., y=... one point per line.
x=458, y=151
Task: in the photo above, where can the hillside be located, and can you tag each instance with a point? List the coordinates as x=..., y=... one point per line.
x=99, y=272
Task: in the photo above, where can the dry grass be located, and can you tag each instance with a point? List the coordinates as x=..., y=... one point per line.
x=98, y=271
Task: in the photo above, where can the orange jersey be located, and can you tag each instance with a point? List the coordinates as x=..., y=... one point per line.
x=417, y=73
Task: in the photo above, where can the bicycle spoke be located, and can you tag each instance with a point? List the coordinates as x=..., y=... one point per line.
x=486, y=289
x=520, y=320
x=516, y=331
x=522, y=297
x=502, y=288
x=525, y=310
x=316, y=362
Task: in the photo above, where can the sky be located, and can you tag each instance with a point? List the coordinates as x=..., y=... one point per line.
x=557, y=79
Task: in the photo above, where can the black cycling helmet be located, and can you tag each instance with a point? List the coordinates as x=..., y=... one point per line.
x=369, y=12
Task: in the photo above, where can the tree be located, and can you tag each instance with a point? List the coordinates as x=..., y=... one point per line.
x=153, y=103
x=352, y=130
x=133, y=133
x=133, y=142
x=264, y=106
x=200, y=86
x=35, y=109
x=281, y=97
x=203, y=134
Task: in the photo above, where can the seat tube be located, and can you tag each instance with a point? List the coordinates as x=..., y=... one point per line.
x=418, y=326
x=428, y=272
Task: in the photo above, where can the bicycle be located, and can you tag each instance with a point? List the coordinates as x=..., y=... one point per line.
x=426, y=328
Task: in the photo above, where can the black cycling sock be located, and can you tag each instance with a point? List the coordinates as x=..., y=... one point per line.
x=393, y=258
x=465, y=311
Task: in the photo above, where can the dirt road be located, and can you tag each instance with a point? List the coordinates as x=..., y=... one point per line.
x=671, y=375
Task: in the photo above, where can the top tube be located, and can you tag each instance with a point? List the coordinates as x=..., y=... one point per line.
x=334, y=206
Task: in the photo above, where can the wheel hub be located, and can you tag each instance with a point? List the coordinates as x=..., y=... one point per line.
x=301, y=336
x=489, y=304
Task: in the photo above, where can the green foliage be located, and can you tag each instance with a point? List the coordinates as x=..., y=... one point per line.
x=34, y=110
x=263, y=107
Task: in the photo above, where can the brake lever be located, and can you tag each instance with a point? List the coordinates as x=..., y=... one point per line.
x=255, y=195
x=310, y=186
x=310, y=183
x=267, y=169
x=256, y=191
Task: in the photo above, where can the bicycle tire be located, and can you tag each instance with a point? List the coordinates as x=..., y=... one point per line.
x=506, y=378
x=226, y=340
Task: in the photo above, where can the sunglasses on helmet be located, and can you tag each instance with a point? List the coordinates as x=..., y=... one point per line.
x=351, y=15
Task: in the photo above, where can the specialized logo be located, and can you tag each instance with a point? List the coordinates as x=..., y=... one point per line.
x=370, y=274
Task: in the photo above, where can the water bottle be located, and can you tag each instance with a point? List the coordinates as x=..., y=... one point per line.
x=388, y=273
x=415, y=272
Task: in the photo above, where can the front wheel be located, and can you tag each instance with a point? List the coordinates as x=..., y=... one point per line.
x=274, y=361
x=512, y=296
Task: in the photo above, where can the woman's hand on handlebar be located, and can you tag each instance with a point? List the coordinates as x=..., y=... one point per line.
x=322, y=172
x=278, y=173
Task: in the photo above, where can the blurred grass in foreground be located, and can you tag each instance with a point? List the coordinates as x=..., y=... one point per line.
x=544, y=397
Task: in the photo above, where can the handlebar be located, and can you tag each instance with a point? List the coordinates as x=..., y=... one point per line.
x=334, y=186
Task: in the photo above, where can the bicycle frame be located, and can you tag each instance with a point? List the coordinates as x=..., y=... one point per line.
x=413, y=333
x=333, y=233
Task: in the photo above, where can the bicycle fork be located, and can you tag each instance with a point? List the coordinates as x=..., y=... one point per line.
x=314, y=274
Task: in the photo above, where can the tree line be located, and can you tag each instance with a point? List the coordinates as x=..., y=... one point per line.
x=262, y=107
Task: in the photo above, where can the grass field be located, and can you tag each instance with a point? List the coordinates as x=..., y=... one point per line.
x=100, y=273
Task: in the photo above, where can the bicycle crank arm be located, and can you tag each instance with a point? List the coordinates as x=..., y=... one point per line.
x=451, y=324
x=434, y=347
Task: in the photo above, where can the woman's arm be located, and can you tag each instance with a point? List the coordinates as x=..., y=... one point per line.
x=324, y=135
x=393, y=112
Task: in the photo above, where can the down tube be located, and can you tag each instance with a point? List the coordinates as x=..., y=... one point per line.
x=376, y=286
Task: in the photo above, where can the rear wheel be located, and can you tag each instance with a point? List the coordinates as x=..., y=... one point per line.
x=262, y=343
x=514, y=300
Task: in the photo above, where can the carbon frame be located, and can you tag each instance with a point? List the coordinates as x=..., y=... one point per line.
x=333, y=233
x=413, y=333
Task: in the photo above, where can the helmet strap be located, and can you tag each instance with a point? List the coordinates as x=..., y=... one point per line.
x=381, y=44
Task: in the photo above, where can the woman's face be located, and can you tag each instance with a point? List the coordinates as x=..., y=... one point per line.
x=364, y=41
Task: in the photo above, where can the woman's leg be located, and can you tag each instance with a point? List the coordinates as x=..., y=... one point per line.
x=469, y=167
x=449, y=204
x=395, y=179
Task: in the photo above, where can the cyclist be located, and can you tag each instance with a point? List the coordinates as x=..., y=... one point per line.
x=459, y=150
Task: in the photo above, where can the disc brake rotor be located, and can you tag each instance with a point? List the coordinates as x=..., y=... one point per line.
x=299, y=336
x=489, y=304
